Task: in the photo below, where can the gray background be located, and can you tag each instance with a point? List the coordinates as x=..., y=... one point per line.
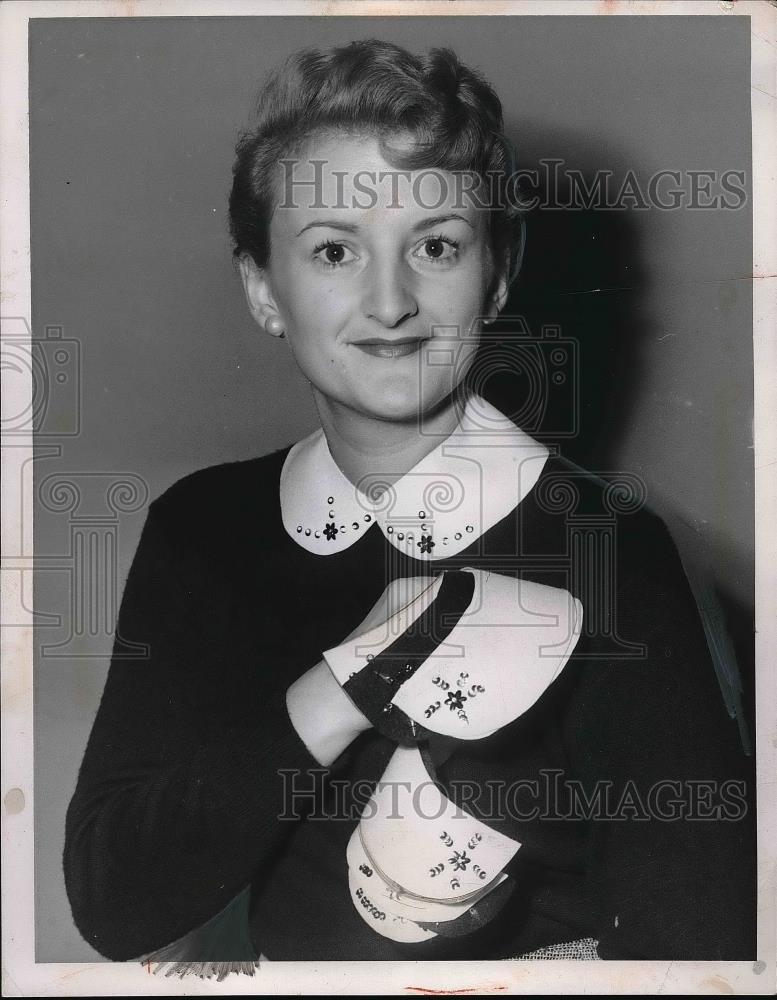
x=133, y=123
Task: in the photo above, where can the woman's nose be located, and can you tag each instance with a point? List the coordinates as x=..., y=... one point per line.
x=389, y=297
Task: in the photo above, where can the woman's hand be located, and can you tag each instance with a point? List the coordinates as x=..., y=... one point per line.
x=325, y=718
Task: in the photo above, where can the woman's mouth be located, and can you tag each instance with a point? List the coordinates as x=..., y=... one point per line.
x=390, y=348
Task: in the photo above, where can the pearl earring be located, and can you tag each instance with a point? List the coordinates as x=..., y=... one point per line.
x=274, y=326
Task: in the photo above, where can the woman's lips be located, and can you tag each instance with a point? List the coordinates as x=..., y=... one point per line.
x=389, y=348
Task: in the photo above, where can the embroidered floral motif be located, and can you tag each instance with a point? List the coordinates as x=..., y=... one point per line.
x=426, y=544
x=459, y=861
x=331, y=532
x=455, y=700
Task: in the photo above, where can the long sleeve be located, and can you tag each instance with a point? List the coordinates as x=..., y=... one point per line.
x=673, y=863
x=176, y=809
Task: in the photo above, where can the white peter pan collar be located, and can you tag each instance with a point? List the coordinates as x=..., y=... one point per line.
x=463, y=487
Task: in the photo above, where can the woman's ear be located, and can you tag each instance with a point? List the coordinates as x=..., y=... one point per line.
x=497, y=294
x=259, y=297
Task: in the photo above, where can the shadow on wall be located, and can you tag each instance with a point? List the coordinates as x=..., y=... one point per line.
x=581, y=285
x=566, y=362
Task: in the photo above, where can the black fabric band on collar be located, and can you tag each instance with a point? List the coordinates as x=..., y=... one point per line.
x=373, y=687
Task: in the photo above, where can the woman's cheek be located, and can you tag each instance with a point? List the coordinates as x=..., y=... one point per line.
x=460, y=310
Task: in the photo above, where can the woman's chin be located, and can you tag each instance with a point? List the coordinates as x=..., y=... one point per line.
x=394, y=400
x=400, y=406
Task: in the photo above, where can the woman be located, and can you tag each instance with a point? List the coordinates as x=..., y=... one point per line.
x=418, y=595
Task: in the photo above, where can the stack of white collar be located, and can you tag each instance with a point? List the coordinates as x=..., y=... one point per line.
x=417, y=863
x=416, y=858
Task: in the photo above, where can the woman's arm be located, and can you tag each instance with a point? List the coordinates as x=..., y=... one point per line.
x=172, y=815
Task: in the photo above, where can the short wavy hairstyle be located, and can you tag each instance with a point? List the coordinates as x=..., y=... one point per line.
x=378, y=88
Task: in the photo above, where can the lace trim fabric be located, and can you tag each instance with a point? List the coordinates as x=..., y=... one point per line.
x=583, y=949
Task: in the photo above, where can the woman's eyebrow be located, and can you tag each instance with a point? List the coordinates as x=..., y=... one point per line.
x=437, y=220
x=350, y=227
x=346, y=227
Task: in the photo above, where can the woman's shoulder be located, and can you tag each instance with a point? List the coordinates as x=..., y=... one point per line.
x=652, y=629
x=227, y=489
x=610, y=510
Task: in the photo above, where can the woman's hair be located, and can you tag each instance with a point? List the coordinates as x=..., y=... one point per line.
x=378, y=88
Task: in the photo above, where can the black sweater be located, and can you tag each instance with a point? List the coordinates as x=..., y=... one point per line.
x=181, y=788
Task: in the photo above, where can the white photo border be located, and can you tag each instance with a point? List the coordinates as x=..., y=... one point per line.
x=22, y=976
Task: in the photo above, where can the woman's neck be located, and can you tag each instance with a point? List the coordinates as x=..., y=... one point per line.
x=382, y=450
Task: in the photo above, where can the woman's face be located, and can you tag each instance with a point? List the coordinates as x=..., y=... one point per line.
x=378, y=277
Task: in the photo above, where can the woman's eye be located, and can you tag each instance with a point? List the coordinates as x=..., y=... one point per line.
x=332, y=254
x=437, y=248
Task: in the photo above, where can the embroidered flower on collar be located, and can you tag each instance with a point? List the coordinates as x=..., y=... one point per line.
x=455, y=700
x=459, y=861
x=426, y=544
x=465, y=485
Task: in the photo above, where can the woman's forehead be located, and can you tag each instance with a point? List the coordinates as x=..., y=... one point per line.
x=346, y=178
